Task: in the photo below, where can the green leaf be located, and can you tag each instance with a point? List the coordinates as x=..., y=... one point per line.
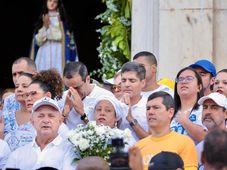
x=114, y=48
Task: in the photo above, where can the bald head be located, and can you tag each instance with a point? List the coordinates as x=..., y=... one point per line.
x=92, y=163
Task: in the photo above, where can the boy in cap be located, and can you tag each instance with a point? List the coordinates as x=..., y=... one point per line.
x=207, y=71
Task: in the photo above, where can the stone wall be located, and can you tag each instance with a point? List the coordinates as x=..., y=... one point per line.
x=179, y=32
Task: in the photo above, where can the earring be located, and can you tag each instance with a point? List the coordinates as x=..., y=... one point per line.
x=115, y=125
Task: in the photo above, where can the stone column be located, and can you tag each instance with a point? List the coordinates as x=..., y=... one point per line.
x=220, y=34
x=145, y=16
x=185, y=34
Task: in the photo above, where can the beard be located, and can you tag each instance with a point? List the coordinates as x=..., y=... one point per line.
x=209, y=123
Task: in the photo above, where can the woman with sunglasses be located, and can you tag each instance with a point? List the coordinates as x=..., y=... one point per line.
x=188, y=90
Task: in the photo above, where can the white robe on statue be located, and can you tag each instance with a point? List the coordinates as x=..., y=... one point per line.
x=50, y=45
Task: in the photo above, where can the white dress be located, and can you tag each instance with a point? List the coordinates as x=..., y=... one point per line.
x=49, y=40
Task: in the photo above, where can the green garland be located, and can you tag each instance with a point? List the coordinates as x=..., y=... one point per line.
x=114, y=49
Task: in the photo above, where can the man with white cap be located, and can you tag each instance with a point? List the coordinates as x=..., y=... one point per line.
x=214, y=115
x=48, y=148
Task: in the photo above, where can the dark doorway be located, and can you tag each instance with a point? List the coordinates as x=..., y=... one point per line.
x=17, y=24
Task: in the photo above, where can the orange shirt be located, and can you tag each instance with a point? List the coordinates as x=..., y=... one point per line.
x=172, y=142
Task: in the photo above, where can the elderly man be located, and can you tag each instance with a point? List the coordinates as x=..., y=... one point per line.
x=160, y=111
x=48, y=149
x=213, y=116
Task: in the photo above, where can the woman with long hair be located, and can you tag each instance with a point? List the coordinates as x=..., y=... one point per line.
x=188, y=90
x=53, y=43
x=18, y=130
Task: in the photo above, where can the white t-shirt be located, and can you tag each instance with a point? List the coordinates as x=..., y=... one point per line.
x=73, y=118
x=139, y=113
x=160, y=88
x=57, y=154
x=199, y=149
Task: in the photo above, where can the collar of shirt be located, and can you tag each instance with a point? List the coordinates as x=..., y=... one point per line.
x=141, y=102
x=57, y=141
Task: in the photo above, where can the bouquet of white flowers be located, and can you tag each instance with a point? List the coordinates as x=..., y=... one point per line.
x=95, y=140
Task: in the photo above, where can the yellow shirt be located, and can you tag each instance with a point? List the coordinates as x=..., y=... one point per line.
x=172, y=142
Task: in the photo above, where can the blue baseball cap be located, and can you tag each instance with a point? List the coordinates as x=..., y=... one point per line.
x=206, y=65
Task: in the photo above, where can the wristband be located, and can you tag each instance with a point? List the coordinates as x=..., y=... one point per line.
x=133, y=122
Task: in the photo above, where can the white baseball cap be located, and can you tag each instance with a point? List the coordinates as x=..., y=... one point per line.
x=218, y=98
x=47, y=102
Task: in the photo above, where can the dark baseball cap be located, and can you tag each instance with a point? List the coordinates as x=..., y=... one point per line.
x=206, y=65
x=166, y=161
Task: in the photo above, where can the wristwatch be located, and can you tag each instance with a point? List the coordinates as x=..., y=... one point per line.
x=133, y=122
x=84, y=117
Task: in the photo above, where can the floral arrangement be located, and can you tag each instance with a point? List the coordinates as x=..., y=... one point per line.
x=95, y=140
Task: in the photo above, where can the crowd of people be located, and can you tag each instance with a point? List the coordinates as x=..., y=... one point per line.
x=178, y=124
x=165, y=123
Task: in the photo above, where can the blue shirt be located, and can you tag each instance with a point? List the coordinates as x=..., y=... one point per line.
x=11, y=105
x=195, y=117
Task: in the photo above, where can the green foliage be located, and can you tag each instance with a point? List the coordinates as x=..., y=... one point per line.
x=114, y=49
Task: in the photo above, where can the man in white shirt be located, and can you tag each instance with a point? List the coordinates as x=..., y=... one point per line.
x=214, y=115
x=132, y=82
x=150, y=63
x=48, y=149
x=80, y=97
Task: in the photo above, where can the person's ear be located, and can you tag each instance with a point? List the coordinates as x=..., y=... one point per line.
x=171, y=113
x=200, y=87
x=48, y=94
x=88, y=79
x=154, y=68
x=212, y=80
x=143, y=82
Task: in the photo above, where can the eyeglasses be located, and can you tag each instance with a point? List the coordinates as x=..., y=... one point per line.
x=186, y=79
x=116, y=88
